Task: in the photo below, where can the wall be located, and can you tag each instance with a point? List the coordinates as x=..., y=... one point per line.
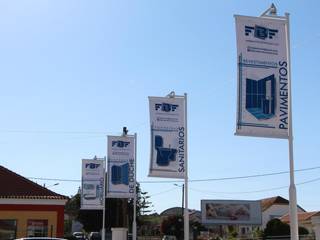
x=22, y=217
x=54, y=215
x=275, y=211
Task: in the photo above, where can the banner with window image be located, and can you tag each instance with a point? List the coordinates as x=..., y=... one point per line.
x=263, y=91
x=121, y=167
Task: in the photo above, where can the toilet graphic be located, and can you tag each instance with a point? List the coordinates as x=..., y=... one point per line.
x=164, y=154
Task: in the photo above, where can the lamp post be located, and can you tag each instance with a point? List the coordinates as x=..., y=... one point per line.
x=182, y=204
x=50, y=185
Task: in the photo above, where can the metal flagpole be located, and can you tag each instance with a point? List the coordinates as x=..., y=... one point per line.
x=294, y=228
x=104, y=202
x=134, y=223
x=186, y=210
x=292, y=189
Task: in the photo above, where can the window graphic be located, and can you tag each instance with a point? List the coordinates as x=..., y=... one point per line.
x=8, y=229
x=37, y=228
x=120, y=174
x=260, y=97
x=164, y=155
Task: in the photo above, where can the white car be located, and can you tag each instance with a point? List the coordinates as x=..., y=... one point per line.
x=169, y=237
x=40, y=238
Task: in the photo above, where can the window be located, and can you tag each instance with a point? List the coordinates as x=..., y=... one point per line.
x=8, y=229
x=260, y=97
x=37, y=228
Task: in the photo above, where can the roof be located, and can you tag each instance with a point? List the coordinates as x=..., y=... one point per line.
x=12, y=185
x=302, y=216
x=277, y=200
x=268, y=202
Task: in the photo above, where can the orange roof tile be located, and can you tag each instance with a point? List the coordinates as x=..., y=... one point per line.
x=302, y=216
x=12, y=185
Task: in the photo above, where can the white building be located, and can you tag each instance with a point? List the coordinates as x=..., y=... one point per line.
x=275, y=207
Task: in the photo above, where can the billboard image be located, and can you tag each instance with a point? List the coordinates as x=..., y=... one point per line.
x=121, y=167
x=167, y=120
x=92, y=186
x=231, y=212
x=263, y=102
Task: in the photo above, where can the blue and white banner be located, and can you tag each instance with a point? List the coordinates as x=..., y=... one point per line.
x=92, y=190
x=263, y=100
x=121, y=167
x=168, y=137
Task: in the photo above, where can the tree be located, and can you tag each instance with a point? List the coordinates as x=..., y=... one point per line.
x=143, y=203
x=116, y=214
x=72, y=206
x=143, y=206
x=277, y=228
x=172, y=225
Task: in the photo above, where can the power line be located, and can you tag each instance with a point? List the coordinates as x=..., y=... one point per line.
x=256, y=191
x=54, y=179
x=194, y=180
x=159, y=193
x=234, y=178
x=56, y=132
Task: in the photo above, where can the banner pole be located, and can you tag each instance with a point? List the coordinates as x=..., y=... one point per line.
x=292, y=189
x=104, y=202
x=186, y=209
x=134, y=223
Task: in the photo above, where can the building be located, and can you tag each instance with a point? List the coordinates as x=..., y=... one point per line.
x=308, y=220
x=28, y=209
x=275, y=207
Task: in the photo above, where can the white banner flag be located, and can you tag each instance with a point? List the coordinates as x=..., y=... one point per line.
x=263, y=101
x=93, y=173
x=121, y=167
x=168, y=131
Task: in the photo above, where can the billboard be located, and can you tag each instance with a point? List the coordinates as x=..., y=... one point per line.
x=168, y=137
x=231, y=212
x=121, y=167
x=263, y=92
x=92, y=190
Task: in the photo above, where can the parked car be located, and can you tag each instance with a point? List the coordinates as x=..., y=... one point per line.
x=94, y=236
x=40, y=238
x=79, y=235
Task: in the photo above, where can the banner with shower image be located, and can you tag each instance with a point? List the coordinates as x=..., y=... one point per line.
x=121, y=167
x=93, y=173
x=263, y=100
x=168, y=133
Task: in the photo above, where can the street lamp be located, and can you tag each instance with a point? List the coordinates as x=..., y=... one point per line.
x=51, y=185
x=182, y=197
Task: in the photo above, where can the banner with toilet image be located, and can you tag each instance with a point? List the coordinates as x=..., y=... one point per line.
x=263, y=82
x=121, y=167
x=168, y=133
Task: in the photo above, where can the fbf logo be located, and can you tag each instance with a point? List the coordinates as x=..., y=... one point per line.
x=260, y=32
x=120, y=144
x=166, y=107
x=92, y=165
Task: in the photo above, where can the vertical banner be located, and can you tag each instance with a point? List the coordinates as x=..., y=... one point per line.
x=93, y=173
x=263, y=90
x=168, y=150
x=121, y=167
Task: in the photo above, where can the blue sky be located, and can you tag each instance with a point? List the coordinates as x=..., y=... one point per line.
x=73, y=72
